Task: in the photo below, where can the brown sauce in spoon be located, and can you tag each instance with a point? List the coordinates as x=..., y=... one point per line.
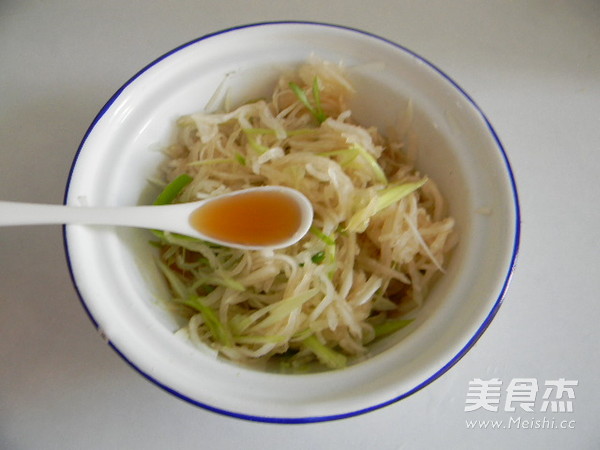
x=253, y=218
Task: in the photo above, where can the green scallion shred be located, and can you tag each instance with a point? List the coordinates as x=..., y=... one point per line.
x=168, y=196
x=178, y=286
x=390, y=326
x=240, y=158
x=299, y=131
x=301, y=96
x=325, y=355
x=173, y=189
x=316, y=111
x=386, y=197
x=252, y=131
x=319, y=113
x=350, y=154
x=329, y=240
x=318, y=257
x=228, y=282
x=219, y=332
x=282, y=308
x=373, y=164
x=258, y=148
x=275, y=339
x=395, y=193
x=347, y=155
x=301, y=335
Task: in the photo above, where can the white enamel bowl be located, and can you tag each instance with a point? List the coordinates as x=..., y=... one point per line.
x=118, y=286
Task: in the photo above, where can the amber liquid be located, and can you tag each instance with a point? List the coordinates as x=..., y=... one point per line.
x=254, y=218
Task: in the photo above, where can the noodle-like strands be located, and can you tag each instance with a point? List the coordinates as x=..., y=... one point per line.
x=321, y=299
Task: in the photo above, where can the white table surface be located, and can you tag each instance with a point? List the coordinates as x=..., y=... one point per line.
x=532, y=66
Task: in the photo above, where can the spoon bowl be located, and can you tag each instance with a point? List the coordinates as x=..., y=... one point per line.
x=247, y=232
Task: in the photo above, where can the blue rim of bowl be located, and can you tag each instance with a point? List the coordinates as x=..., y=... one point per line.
x=312, y=419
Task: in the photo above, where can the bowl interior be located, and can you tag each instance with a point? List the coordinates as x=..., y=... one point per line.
x=121, y=288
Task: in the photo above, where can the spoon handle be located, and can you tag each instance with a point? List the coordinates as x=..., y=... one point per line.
x=15, y=213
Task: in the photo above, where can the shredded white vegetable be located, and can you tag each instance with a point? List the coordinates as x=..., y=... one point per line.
x=380, y=233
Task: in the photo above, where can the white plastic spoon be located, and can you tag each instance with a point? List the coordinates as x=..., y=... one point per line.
x=266, y=217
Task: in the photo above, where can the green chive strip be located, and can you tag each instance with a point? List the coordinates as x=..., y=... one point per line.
x=390, y=326
x=316, y=111
x=320, y=114
x=172, y=190
x=326, y=355
x=329, y=240
x=219, y=332
x=395, y=193
x=318, y=257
